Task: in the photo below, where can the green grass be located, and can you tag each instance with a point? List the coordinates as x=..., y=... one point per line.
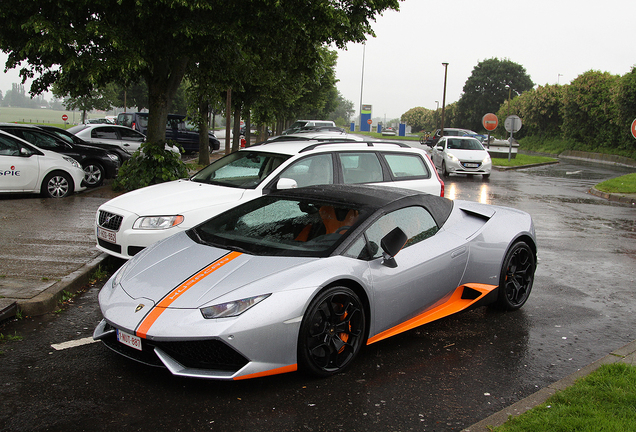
x=42, y=116
x=623, y=184
x=603, y=401
x=522, y=159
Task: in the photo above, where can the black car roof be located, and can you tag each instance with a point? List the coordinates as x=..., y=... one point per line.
x=376, y=197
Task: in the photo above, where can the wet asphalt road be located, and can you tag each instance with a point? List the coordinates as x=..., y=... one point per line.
x=440, y=377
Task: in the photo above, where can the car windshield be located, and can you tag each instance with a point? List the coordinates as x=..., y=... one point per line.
x=275, y=226
x=242, y=169
x=464, y=144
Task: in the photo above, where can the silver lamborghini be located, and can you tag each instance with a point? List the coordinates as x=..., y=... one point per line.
x=302, y=279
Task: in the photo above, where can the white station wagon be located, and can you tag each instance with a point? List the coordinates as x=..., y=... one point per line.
x=127, y=224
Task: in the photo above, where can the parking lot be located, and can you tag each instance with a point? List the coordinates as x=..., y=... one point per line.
x=443, y=376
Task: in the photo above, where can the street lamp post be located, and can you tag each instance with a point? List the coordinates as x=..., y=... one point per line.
x=436, y=114
x=443, y=99
x=364, y=51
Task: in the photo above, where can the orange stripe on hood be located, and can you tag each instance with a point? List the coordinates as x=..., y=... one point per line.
x=153, y=315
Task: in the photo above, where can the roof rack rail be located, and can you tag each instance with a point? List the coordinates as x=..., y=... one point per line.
x=368, y=143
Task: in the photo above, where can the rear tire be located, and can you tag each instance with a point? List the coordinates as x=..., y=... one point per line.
x=57, y=185
x=516, y=278
x=332, y=332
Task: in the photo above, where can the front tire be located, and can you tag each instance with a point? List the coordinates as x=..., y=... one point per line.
x=516, y=278
x=57, y=185
x=332, y=332
x=444, y=171
x=93, y=174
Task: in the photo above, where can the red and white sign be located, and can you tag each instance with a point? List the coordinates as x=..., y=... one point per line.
x=369, y=121
x=490, y=121
x=634, y=128
x=64, y=117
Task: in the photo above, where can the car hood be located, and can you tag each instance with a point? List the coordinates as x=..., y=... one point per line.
x=469, y=155
x=176, y=197
x=178, y=273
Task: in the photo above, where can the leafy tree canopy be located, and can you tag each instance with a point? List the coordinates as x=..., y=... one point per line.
x=491, y=82
x=83, y=44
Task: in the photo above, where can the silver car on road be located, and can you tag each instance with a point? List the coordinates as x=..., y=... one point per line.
x=302, y=279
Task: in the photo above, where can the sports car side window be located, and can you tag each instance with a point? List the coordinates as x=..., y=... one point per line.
x=416, y=222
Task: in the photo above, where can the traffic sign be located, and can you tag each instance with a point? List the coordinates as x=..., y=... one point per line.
x=512, y=123
x=369, y=121
x=634, y=128
x=490, y=121
x=64, y=117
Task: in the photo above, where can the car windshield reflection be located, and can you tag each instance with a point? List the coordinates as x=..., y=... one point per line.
x=281, y=227
x=243, y=169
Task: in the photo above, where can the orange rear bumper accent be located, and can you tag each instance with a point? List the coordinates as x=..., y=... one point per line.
x=454, y=304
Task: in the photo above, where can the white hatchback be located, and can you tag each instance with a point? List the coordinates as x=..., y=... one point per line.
x=27, y=169
x=461, y=155
x=127, y=224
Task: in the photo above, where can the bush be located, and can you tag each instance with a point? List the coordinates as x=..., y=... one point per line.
x=151, y=164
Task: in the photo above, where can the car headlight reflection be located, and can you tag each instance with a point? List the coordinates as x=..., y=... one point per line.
x=157, y=222
x=120, y=274
x=233, y=308
x=452, y=157
x=72, y=161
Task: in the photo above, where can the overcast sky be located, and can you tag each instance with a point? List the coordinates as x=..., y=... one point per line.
x=403, y=63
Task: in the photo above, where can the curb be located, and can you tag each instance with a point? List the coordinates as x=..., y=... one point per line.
x=622, y=198
x=508, y=168
x=47, y=300
x=624, y=354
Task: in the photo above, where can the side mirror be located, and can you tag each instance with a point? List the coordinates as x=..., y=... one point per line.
x=25, y=152
x=286, y=183
x=391, y=244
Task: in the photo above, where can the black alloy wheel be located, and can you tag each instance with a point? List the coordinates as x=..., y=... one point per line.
x=332, y=332
x=517, y=275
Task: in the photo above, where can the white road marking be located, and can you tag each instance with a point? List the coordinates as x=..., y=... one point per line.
x=73, y=344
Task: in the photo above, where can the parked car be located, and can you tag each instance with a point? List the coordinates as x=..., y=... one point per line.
x=319, y=134
x=302, y=279
x=177, y=130
x=121, y=136
x=461, y=155
x=431, y=140
x=98, y=164
x=24, y=168
x=300, y=124
x=122, y=154
x=131, y=222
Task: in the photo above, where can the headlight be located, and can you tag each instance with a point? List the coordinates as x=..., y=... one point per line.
x=120, y=273
x=486, y=159
x=72, y=161
x=231, y=309
x=112, y=157
x=157, y=222
x=452, y=157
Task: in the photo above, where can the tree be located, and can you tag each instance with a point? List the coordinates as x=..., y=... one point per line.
x=84, y=44
x=102, y=99
x=491, y=82
x=589, y=112
x=341, y=115
x=625, y=100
